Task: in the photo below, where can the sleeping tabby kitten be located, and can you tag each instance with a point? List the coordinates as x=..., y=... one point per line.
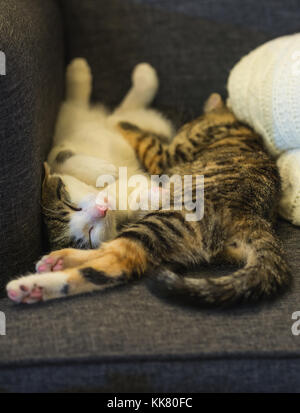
x=242, y=187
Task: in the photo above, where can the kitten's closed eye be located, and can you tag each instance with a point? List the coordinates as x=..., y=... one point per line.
x=93, y=222
x=72, y=215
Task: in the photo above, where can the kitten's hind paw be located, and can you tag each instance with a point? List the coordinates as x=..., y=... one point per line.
x=144, y=77
x=22, y=293
x=35, y=288
x=79, y=81
x=79, y=70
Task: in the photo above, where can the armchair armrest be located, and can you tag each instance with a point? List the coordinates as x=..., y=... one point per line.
x=31, y=39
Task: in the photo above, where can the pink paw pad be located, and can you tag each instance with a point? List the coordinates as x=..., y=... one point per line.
x=13, y=295
x=36, y=294
x=24, y=295
x=24, y=288
x=58, y=266
x=50, y=264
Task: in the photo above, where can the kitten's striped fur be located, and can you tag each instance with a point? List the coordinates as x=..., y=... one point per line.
x=242, y=188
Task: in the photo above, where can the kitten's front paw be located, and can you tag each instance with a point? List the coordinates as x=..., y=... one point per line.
x=48, y=263
x=145, y=77
x=22, y=291
x=56, y=261
x=63, y=259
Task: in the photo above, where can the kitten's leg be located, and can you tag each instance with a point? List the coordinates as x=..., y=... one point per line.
x=188, y=143
x=62, y=259
x=157, y=158
x=79, y=82
x=144, y=88
x=34, y=288
x=52, y=282
x=153, y=155
x=84, y=278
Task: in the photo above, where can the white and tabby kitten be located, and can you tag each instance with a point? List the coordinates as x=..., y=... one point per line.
x=87, y=145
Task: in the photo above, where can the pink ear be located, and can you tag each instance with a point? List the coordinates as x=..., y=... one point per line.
x=214, y=102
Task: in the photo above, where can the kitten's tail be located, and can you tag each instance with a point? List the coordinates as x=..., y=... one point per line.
x=264, y=274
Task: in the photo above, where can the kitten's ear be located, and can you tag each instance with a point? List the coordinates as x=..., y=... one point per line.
x=47, y=171
x=214, y=102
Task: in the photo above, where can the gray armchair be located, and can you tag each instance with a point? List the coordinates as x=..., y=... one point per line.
x=129, y=339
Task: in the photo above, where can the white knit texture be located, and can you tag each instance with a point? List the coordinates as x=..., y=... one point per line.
x=264, y=92
x=289, y=168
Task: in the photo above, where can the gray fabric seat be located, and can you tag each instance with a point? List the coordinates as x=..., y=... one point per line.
x=130, y=338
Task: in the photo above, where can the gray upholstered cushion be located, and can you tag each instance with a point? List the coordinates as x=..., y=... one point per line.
x=130, y=339
x=31, y=38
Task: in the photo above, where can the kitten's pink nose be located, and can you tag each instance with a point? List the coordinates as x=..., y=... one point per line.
x=101, y=210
